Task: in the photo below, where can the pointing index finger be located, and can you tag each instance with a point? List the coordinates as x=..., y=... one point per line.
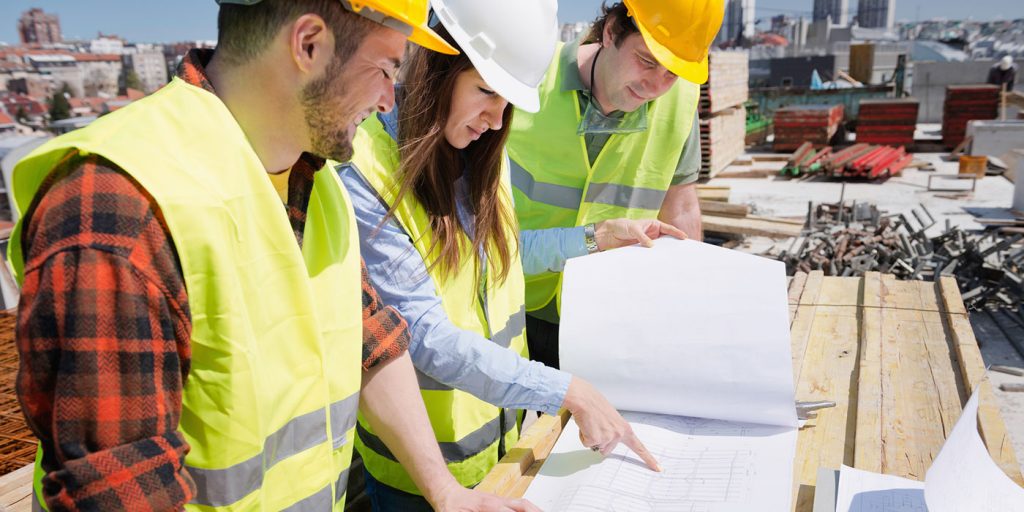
x=634, y=444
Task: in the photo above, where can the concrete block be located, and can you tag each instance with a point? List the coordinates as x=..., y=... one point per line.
x=995, y=138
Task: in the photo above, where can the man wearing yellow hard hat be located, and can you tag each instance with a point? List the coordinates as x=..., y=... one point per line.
x=196, y=328
x=616, y=136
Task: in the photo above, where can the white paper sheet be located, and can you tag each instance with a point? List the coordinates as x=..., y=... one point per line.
x=697, y=338
x=864, y=491
x=708, y=466
x=964, y=478
x=684, y=328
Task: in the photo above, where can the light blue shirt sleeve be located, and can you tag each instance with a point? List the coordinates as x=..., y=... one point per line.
x=545, y=250
x=452, y=356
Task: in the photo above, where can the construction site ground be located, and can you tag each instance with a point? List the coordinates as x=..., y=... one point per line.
x=770, y=195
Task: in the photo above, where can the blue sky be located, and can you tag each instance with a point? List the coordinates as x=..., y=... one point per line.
x=176, y=20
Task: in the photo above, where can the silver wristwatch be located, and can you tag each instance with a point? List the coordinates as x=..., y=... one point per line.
x=590, y=238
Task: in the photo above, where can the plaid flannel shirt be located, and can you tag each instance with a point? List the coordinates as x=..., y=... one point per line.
x=103, y=333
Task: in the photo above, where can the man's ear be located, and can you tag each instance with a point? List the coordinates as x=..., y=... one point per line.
x=310, y=43
x=607, y=37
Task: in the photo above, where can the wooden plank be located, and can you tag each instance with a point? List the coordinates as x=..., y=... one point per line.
x=710, y=193
x=868, y=443
x=16, y=490
x=972, y=368
x=796, y=290
x=533, y=447
x=724, y=209
x=924, y=390
x=828, y=373
x=802, y=318
x=750, y=227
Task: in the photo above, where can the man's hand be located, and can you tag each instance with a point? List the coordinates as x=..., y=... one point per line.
x=615, y=233
x=455, y=498
x=601, y=426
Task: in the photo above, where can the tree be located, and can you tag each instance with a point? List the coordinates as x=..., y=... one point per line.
x=21, y=115
x=60, y=107
x=131, y=81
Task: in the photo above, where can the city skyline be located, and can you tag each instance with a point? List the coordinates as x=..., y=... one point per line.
x=185, y=20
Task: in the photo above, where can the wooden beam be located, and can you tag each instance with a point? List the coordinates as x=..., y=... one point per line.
x=507, y=477
x=712, y=193
x=724, y=209
x=972, y=367
x=751, y=227
x=868, y=452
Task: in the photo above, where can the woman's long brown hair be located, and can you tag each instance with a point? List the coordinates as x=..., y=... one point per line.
x=430, y=166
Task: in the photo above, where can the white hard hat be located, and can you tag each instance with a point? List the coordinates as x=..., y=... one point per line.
x=1006, y=62
x=510, y=42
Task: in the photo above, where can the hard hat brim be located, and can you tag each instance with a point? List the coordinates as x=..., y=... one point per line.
x=694, y=72
x=429, y=39
x=507, y=86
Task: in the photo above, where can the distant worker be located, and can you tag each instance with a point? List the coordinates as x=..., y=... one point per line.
x=616, y=136
x=1003, y=72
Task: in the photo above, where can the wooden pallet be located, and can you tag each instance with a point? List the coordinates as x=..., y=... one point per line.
x=898, y=357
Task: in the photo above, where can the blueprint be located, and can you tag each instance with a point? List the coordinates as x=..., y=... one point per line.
x=864, y=491
x=707, y=466
x=692, y=342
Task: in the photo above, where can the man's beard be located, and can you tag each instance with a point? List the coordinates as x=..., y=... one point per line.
x=324, y=108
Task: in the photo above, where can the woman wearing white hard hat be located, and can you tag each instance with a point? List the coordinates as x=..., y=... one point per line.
x=430, y=186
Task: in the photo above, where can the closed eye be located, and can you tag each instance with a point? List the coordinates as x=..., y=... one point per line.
x=646, y=62
x=486, y=91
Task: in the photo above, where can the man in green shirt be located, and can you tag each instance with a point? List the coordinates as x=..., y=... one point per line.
x=616, y=136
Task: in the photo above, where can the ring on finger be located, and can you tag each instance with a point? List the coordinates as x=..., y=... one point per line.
x=596, y=448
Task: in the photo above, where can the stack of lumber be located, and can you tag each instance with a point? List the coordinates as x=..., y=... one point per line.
x=964, y=103
x=888, y=121
x=723, y=122
x=721, y=217
x=728, y=74
x=797, y=124
x=722, y=139
x=900, y=360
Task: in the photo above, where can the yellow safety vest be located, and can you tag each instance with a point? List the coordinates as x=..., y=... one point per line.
x=467, y=428
x=270, y=402
x=555, y=185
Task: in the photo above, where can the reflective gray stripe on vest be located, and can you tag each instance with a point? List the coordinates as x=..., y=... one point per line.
x=547, y=193
x=222, y=487
x=343, y=418
x=470, y=445
x=625, y=196
x=318, y=502
x=570, y=197
x=341, y=485
x=514, y=327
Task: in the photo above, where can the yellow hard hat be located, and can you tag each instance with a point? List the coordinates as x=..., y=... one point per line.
x=679, y=32
x=406, y=16
x=409, y=14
